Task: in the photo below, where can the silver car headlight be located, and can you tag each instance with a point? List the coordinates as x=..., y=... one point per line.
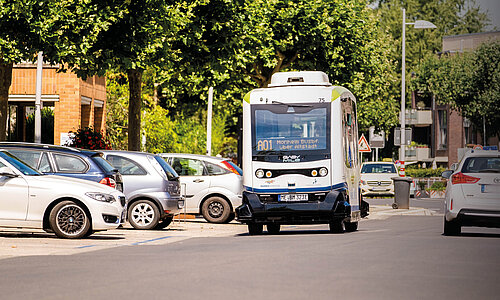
x=101, y=197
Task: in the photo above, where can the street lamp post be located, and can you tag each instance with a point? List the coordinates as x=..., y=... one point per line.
x=418, y=24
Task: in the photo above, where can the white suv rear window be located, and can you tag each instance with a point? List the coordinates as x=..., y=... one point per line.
x=481, y=164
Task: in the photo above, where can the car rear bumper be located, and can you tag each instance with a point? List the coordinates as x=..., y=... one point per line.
x=476, y=217
x=172, y=205
x=331, y=209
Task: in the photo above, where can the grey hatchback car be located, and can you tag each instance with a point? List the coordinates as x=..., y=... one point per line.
x=151, y=186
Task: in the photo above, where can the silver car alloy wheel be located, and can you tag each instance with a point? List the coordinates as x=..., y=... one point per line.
x=71, y=219
x=143, y=214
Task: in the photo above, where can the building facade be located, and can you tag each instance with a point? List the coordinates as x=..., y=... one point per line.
x=68, y=103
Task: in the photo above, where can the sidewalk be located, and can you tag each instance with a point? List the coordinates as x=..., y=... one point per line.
x=381, y=212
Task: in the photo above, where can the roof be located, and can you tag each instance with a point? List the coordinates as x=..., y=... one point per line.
x=48, y=147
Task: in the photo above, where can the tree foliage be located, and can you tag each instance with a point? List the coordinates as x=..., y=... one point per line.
x=63, y=30
x=468, y=82
x=451, y=17
x=236, y=46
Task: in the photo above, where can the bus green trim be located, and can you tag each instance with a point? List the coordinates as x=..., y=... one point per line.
x=247, y=98
x=337, y=91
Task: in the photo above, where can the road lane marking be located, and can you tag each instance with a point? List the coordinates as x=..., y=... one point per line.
x=152, y=240
x=83, y=247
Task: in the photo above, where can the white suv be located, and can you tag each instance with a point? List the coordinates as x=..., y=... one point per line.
x=213, y=185
x=69, y=207
x=473, y=192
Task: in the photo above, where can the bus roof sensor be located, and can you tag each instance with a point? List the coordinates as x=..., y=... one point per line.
x=314, y=78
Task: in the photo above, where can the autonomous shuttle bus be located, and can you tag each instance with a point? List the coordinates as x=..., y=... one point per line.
x=300, y=155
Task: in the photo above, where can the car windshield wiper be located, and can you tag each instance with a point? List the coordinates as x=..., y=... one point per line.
x=290, y=105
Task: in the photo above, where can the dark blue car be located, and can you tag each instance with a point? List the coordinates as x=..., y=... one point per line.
x=66, y=161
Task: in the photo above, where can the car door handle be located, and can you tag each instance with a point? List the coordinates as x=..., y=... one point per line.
x=198, y=180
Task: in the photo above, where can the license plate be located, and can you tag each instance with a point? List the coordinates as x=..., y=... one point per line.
x=490, y=188
x=292, y=197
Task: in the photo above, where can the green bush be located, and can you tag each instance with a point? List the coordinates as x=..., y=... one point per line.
x=437, y=186
x=183, y=134
x=423, y=173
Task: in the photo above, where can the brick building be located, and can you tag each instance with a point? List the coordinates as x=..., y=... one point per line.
x=75, y=103
x=439, y=132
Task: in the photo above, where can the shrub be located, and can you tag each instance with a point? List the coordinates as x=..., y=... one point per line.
x=88, y=138
x=422, y=173
x=437, y=186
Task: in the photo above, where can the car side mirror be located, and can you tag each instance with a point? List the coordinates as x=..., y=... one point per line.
x=7, y=172
x=447, y=174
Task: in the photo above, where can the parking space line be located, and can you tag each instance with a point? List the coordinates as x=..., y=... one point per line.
x=83, y=247
x=152, y=240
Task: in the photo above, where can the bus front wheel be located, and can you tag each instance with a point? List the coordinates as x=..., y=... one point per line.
x=351, y=226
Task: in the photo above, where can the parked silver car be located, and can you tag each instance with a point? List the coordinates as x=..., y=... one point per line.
x=213, y=184
x=69, y=207
x=151, y=186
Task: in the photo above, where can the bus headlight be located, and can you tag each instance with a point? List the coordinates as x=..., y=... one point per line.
x=314, y=173
x=323, y=172
x=259, y=173
x=269, y=174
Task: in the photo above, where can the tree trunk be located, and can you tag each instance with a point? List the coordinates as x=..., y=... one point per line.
x=134, y=109
x=5, y=81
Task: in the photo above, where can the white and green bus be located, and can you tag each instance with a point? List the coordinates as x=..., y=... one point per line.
x=300, y=155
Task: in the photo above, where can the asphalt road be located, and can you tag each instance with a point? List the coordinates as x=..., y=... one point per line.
x=402, y=257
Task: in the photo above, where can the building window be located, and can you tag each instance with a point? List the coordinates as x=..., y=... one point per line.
x=470, y=137
x=442, y=129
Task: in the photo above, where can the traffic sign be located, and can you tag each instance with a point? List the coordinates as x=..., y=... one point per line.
x=377, y=139
x=363, y=144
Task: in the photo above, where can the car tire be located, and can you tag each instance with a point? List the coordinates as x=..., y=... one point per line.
x=337, y=227
x=273, y=228
x=255, y=229
x=216, y=210
x=69, y=220
x=143, y=214
x=452, y=228
x=164, y=223
x=351, y=226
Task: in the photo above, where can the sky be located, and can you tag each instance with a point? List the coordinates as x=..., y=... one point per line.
x=493, y=8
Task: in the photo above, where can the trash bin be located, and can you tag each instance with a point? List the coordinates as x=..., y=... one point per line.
x=401, y=192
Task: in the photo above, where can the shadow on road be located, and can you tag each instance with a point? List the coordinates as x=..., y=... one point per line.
x=42, y=235
x=483, y=235
x=295, y=233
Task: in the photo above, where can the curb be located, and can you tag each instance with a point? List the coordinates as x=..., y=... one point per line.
x=378, y=212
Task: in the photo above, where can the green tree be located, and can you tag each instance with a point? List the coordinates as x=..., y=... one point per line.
x=451, y=17
x=140, y=38
x=237, y=45
x=63, y=30
x=469, y=82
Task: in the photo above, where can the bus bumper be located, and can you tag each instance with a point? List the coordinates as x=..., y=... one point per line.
x=333, y=208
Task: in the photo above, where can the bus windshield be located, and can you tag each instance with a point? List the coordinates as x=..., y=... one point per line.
x=291, y=129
